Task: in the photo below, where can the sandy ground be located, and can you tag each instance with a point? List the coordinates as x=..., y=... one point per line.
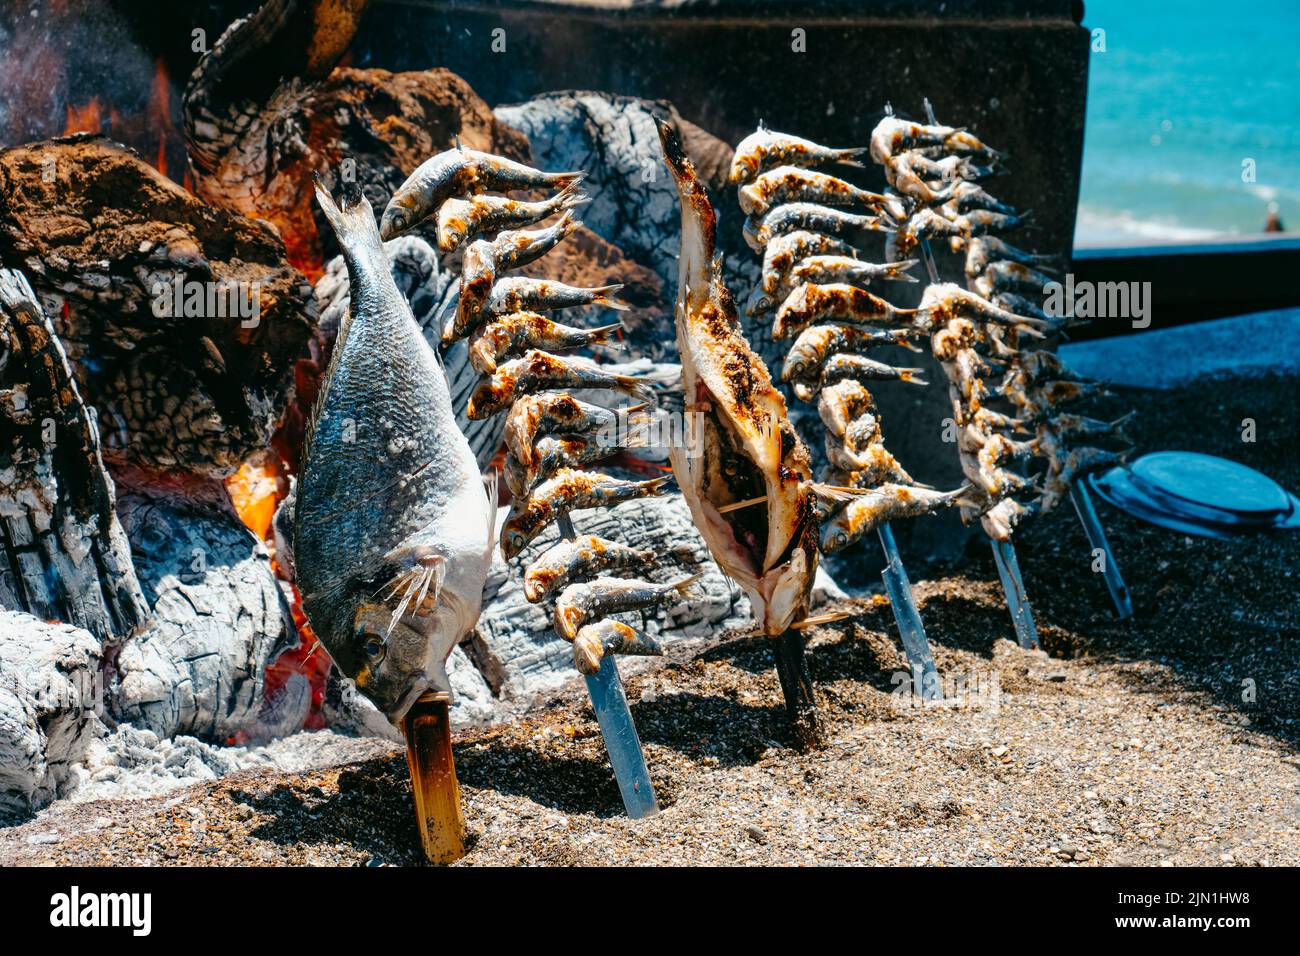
x=1170, y=739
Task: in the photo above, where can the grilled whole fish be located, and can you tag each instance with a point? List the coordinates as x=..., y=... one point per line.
x=538, y=371
x=579, y=604
x=766, y=149
x=392, y=528
x=569, y=491
x=749, y=447
x=517, y=332
x=609, y=636
x=584, y=556
x=888, y=502
x=455, y=173
x=534, y=416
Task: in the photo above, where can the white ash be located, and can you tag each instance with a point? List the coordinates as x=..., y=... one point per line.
x=132, y=763
x=48, y=692
x=218, y=619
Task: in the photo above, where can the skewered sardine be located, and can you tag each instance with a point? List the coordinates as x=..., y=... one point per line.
x=766, y=149
x=460, y=220
x=553, y=453
x=818, y=342
x=524, y=293
x=569, y=491
x=888, y=502
x=538, y=371
x=787, y=184
x=581, y=603
x=814, y=303
x=594, y=641
x=893, y=135
x=460, y=172
x=584, y=556
x=517, y=332
x=533, y=416
x=807, y=217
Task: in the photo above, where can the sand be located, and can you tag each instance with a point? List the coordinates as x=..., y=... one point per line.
x=1170, y=739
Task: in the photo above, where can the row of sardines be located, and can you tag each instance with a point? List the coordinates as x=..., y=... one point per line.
x=551, y=436
x=808, y=225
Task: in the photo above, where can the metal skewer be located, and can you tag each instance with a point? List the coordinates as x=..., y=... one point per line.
x=1083, y=507
x=617, y=727
x=925, y=676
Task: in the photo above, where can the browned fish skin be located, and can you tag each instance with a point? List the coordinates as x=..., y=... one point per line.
x=540, y=370
x=750, y=448
x=584, y=556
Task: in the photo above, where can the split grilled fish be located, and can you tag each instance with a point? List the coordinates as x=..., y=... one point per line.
x=749, y=447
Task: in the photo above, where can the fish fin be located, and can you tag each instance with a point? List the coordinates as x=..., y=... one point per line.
x=849, y=157
x=603, y=294
x=423, y=570
x=600, y=335
x=900, y=270
x=912, y=376
x=836, y=494
x=638, y=387
x=655, y=485
x=492, y=486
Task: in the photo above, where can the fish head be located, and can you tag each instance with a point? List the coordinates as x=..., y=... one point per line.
x=391, y=633
x=401, y=214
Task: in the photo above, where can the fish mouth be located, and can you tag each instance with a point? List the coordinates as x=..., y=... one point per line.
x=418, y=688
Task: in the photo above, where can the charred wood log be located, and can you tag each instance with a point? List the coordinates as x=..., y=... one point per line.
x=49, y=695
x=218, y=615
x=65, y=556
x=182, y=321
x=265, y=110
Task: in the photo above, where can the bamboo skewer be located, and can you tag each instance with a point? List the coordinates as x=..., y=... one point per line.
x=429, y=756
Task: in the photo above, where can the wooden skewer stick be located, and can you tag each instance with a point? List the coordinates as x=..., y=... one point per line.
x=737, y=505
x=433, y=778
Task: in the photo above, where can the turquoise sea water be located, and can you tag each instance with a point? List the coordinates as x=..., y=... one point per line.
x=1183, y=94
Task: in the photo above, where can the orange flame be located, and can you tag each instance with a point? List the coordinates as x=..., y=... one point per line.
x=85, y=119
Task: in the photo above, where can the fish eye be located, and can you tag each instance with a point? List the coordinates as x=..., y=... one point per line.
x=375, y=649
x=839, y=539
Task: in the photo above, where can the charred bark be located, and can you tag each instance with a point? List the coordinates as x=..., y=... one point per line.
x=65, y=556
x=265, y=110
x=116, y=250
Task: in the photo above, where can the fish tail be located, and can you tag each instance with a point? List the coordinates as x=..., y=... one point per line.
x=353, y=222
x=601, y=334
x=655, y=485
x=601, y=296
x=849, y=157
x=900, y=270
x=912, y=375
x=572, y=196
x=636, y=387
x=685, y=584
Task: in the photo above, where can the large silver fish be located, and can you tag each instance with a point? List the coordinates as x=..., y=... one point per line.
x=392, y=538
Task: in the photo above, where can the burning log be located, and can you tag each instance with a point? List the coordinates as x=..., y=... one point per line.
x=182, y=321
x=65, y=556
x=266, y=110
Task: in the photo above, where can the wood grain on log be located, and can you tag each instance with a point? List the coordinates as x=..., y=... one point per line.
x=107, y=242
x=65, y=556
x=218, y=619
